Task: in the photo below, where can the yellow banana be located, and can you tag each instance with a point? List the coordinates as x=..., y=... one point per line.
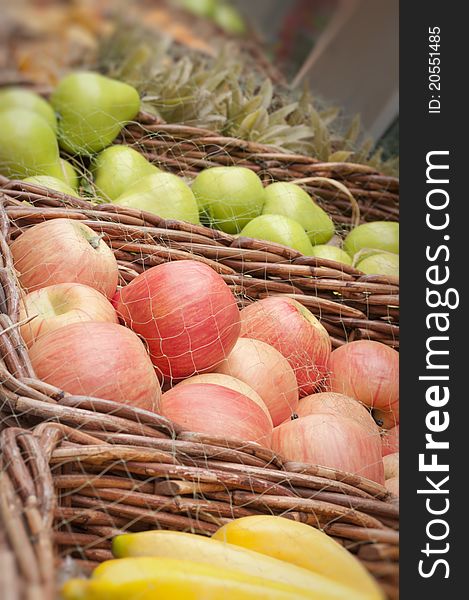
x=301, y=545
x=146, y=578
x=187, y=546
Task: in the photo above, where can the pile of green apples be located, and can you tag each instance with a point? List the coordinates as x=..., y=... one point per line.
x=85, y=115
x=234, y=200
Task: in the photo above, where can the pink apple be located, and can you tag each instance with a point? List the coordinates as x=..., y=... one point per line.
x=104, y=360
x=217, y=410
x=230, y=382
x=267, y=372
x=337, y=404
x=330, y=441
x=64, y=251
x=367, y=371
x=295, y=332
x=186, y=313
x=58, y=305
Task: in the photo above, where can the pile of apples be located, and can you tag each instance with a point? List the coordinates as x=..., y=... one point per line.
x=173, y=341
x=85, y=115
x=265, y=374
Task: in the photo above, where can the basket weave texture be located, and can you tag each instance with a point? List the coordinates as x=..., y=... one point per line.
x=75, y=471
x=187, y=150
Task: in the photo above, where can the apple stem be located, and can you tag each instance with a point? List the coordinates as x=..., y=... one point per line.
x=94, y=241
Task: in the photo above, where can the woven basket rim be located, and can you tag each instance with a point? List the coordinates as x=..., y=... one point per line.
x=53, y=433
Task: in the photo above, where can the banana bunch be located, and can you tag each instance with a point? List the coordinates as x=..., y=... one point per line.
x=258, y=557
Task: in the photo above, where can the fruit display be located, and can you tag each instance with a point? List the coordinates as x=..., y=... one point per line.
x=230, y=196
x=302, y=546
x=100, y=359
x=116, y=168
x=292, y=330
x=380, y=235
x=92, y=110
x=187, y=315
x=380, y=263
x=28, y=145
x=266, y=371
x=231, y=383
x=26, y=99
x=69, y=174
x=52, y=183
x=333, y=441
x=263, y=365
x=120, y=313
x=218, y=410
x=87, y=112
x=369, y=371
x=291, y=200
x=163, y=194
x=280, y=229
x=253, y=557
x=184, y=351
x=55, y=306
x=331, y=253
x=39, y=255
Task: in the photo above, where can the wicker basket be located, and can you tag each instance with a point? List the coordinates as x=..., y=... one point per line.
x=349, y=192
x=75, y=471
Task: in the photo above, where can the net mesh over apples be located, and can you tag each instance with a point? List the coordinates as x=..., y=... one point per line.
x=116, y=469
x=171, y=367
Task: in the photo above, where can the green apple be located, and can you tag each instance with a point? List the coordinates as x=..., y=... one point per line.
x=229, y=19
x=380, y=235
x=16, y=97
x=28, y=145
x=163, y=194
x=279, y=229
x=385, y=263
x=69, y=174
x=92, y=110
x=116, y=168
x=331, y=253
x=66, y=173
x=52, y=183
x=291, y=200
x=231, y=196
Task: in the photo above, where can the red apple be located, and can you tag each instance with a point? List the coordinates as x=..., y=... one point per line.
x=267, y=372
x=330, y=441
x=342, y=406
x=369, y=372
x=217, y=410
x=230, y=382
x=186, y=313
x=62, y=304
x=295, y=332
x=104, y=360
x=64, y=251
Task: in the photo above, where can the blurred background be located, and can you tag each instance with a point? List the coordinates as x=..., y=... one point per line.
x=345, y=52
